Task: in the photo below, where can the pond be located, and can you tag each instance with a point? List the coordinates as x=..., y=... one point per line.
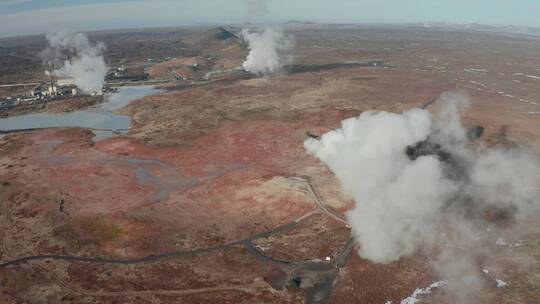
x=101, y=116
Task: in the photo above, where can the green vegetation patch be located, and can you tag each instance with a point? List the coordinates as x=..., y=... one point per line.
x=99, y=229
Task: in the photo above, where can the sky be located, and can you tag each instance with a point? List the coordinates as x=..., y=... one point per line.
x=24, y=17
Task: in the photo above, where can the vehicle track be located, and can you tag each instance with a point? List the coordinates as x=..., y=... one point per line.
x=153, y=258
x=427, y=104
x=326, y=269
x=246, y=243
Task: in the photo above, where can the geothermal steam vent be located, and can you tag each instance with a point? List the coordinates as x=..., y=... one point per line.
x=266, y=49
x=417, y=181
x=73, y=55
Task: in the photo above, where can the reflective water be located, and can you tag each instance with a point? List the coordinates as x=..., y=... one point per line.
x=98, y=117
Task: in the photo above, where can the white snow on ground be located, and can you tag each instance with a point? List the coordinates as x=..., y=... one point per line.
x=422, y=291
x=500, y=242
x=477, y=83
x=528, y=101
x=500, y=283
x=262, y=247
x=476, y=70
x=533, y=76
x=519, y=243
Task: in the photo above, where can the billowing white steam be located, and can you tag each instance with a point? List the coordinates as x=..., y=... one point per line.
x=404, y=204
x=397, y=199
x=78, y=58
x=265, y=50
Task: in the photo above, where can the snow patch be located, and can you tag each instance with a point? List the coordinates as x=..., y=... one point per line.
x=422, y=291
x=262, y=247
x=476, y=70
x=520, y=243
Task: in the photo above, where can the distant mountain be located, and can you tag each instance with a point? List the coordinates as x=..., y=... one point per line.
x=223, y=34
x=209, y=38
x=526, y=30
x=217, y=42
x=298, y=22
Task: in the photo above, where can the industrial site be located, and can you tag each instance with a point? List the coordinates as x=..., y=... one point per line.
x=302, y=163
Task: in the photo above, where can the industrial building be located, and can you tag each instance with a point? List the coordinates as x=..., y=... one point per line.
x=62, y=87
x=47, y=91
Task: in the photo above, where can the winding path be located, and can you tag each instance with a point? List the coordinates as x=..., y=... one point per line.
x=427, y=104
x=153, y=258
x=316, y=294
x=247, y=242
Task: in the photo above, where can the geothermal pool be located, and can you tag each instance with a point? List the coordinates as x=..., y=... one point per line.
x=98, y=117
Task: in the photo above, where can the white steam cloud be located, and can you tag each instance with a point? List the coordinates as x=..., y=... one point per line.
x=418, y=181
x=266, y=50
x=78, y=58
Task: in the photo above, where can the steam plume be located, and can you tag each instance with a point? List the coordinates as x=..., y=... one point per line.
x=265, y=50
x=78, y=58
x=416, y=181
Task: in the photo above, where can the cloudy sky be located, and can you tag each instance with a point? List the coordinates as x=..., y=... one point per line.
x=22, y=17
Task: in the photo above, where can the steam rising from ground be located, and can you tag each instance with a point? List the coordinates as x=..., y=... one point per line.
x=445, y=193
x=74, y=56
x=266, y=50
